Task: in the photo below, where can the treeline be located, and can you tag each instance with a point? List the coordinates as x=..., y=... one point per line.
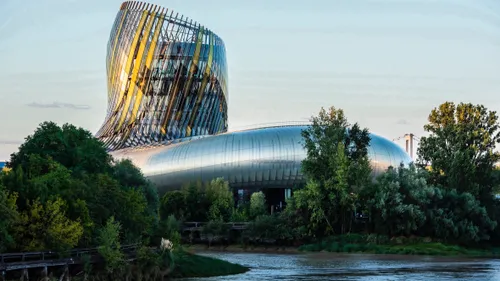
x=214, y=203
x=447, y=195
x=64, y=190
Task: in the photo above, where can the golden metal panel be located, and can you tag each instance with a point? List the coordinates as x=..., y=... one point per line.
x=119, y=99
x=135, y=71
x=150, y=84
x=112, y=69
x=174, y=93
x=204, y=82
x=149, y=60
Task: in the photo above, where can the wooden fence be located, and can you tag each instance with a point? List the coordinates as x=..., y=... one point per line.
x=50, y=259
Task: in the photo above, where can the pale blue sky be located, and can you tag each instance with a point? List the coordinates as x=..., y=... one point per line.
x=387, y=63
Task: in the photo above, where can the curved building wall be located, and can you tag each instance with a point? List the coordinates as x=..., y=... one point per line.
x=269, y=157
x=167, y=78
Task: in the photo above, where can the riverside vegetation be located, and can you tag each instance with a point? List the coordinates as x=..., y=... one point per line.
x=443, y=204
x=64, y=191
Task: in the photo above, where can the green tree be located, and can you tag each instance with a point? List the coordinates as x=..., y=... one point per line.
x=240, y=214
x=133, y=216
x=68, y=163
x=398, y=201
x=215, y=230
x=128, y=205
x=221, y=200
x=109, y=245
x=257, y=204
x=460, y=148
x=458, y=217
x=196, y=202
x=128, y=175
x=173, y=203
x=402, y=203
x=170, y=229
x=46, y=226
x=75, y=148
x=269, y=229
x=79, y=210
x=337, y=168
x=318, y=203
x=8, y=217
x=295, y=220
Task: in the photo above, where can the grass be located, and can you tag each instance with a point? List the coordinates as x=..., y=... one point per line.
x=363, y=244
x=191, y=265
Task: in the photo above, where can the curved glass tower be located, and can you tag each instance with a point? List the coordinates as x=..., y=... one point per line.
x=167, y=110
x=167, y=78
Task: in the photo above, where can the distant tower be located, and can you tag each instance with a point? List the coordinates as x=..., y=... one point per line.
x=409, y=144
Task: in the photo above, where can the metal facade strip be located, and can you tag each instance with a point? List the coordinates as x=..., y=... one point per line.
x=131, y=72
x=204, y=82
x=141, y=79
x=149, y=60
x=183, y=81
x=112, y=68
x=124, y=40
x=119, y=101
x=157, y=95
x=173, y=94
x=192, y=76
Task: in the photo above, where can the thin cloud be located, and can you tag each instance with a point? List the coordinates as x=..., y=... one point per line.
x=9, y=142
x=59, y=105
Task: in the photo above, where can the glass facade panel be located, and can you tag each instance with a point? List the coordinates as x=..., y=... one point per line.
x=166, y=79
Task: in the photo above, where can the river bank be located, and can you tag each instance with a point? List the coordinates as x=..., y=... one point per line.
x=411, y=249
x=189, y=264
x=358, y=244
x=238, y=248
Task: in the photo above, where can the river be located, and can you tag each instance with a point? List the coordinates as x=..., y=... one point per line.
x=315, y=267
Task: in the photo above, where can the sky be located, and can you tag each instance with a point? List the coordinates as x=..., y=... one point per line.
x=386, y=63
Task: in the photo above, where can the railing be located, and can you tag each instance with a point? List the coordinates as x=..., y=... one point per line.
x=200, y=225
x=15, y=261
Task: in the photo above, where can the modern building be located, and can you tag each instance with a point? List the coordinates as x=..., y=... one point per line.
x=167, y=79
x=167, y=110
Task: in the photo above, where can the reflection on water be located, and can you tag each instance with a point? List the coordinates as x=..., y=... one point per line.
x=315, y=267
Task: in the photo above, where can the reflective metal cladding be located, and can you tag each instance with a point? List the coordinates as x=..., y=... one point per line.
x=167, y=78
x=167, y=109
x=269, y=157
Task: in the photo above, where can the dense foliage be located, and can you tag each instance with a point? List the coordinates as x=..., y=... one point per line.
x=401, y=202
x=65, y=191
x=196, y=202
x=62, y=189
x=337, y=168
x=449, y=196
x=461, y=148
